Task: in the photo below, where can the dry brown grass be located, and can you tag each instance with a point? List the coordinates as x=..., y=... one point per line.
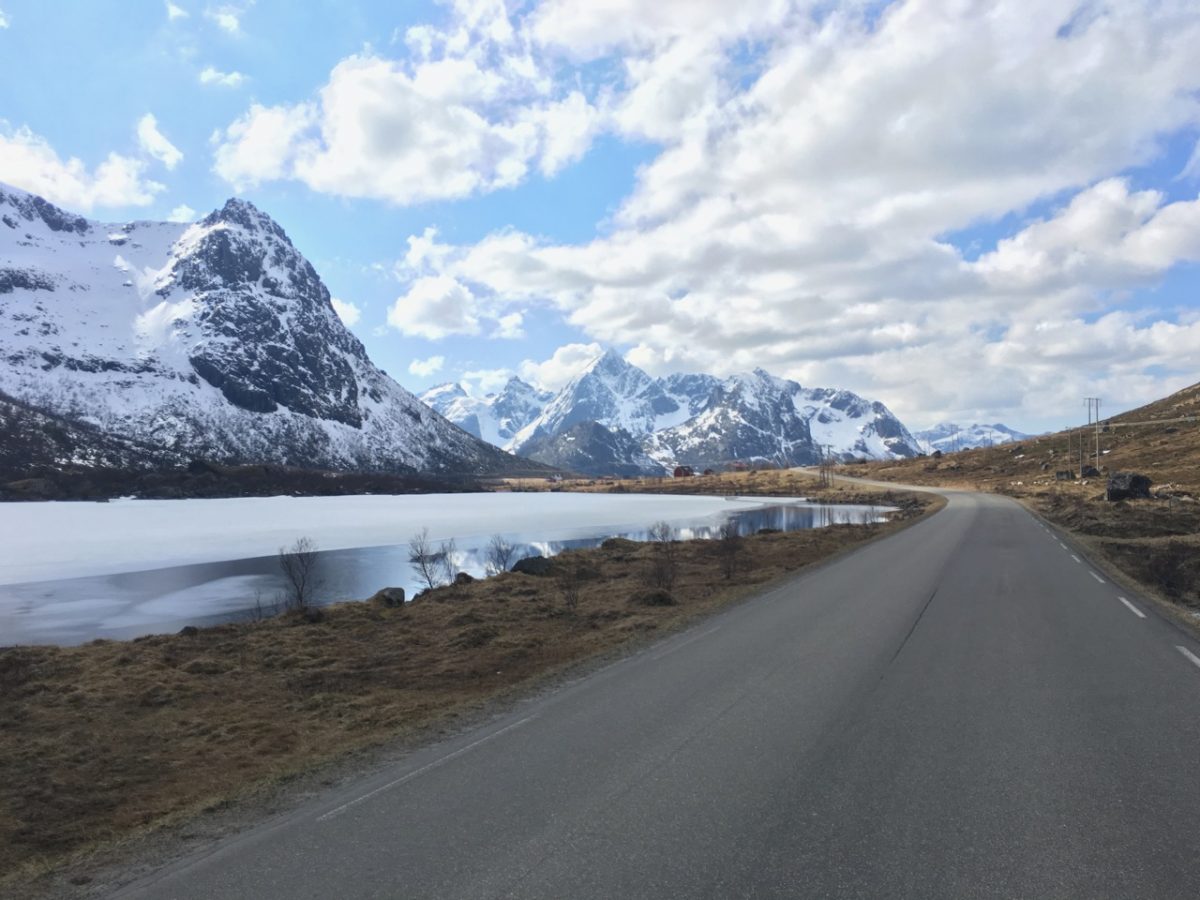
x=111, y=738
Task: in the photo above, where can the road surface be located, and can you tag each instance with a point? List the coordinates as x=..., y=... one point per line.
x=964, y=709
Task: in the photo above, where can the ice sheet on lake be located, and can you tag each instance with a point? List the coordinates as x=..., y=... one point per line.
x=45, y=541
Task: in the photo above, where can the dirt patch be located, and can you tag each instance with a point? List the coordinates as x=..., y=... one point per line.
x=114, y=739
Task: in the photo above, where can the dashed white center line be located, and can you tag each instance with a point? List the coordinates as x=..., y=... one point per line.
x=1061, y=544
x=1192, y=657
x=1133, y=609
x=1097, y=577
x=1076, y=558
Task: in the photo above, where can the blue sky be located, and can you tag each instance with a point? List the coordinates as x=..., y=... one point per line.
x=967, y=217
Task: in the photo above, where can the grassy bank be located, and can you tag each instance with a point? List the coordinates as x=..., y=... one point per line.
x=114, y=739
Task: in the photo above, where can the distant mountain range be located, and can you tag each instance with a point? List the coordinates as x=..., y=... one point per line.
x=614, y=418
x=215, y=339
x=949, y=436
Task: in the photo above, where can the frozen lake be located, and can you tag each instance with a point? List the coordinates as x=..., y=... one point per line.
x=71, y=572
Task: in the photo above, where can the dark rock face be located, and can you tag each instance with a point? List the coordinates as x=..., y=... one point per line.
x=533, y=565
x=591, y=449
x=1127, y=486
x=12, y=279
x=268, y=339
x=32, y=207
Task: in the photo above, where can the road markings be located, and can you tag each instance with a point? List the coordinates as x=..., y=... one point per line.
x=333, y=813
x=1076, y=558
x=1097, y=577
x=1061, y=544
x=1192, y=657
x=1133, y=609
x=694, y=637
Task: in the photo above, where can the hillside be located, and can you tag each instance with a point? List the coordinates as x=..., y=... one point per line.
x=214, y=339
x=1155, y=541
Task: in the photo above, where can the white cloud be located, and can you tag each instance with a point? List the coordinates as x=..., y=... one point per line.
x=796, y=216
x=481, y=382
x=509, y=327
x=4, y=23
x=29, y=162
x=210, y=75
x=261, y=145
x=423, y=368
x=552, y=374
x=471, y=110
x=348, y=312
x=435, y=307
x=153, y=142
x=228, y=16
x=175, y=12
x=182, y=213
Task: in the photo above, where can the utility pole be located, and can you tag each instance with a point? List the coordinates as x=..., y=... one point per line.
x=1093, y=403
x=1097, y=434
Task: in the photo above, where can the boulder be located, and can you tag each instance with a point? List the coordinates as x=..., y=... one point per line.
x=533, y=565
x=463, y=578
x=1127, y=486
x=389, y=597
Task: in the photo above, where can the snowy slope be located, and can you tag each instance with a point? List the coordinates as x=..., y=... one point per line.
x=495, y=418
x=949, y=436
x=214, y=339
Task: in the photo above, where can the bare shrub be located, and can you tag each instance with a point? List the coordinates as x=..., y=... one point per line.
x=729, y=549
x=570, y=579
x=663, y=567
x=427, y=563
x=499, y=555
x=447, y=552
x=298, y=563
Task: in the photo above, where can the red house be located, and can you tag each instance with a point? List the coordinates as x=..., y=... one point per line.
x=684, y=472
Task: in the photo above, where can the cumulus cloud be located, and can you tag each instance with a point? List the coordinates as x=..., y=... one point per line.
x=435, y=307
x=29, y=162
x=210, y=75
x=4, y=23
x=470, y=109
x=348, y=312
x=175, y=12
x=228, y=16
x=797, y=215
x=552, y=374
x=153, y=142
x=423, y=368
x=182, y=213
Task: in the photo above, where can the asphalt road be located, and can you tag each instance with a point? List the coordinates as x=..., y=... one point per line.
x=965, y=709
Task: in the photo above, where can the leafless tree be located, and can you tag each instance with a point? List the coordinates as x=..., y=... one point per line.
x=499, y=555
x=570, y=581
x=729, y=548
x=448, y=551
x=664, y=556
x=298, y=563
x=425, y=561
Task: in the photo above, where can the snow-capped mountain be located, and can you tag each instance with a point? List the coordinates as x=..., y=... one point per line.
x=214, y=339
x=498, y=417
x=591, y=449
x=693, y=419
x=948, y=436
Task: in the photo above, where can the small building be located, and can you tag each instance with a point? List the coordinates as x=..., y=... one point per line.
x=684, y=472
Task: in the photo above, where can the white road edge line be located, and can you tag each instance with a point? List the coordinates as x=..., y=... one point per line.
x=425, y=768
x=1061, y=544
x=1076, y=558
x=1133, y=609
x=1097, y=577
x=694, y=637
x=1192, y=657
